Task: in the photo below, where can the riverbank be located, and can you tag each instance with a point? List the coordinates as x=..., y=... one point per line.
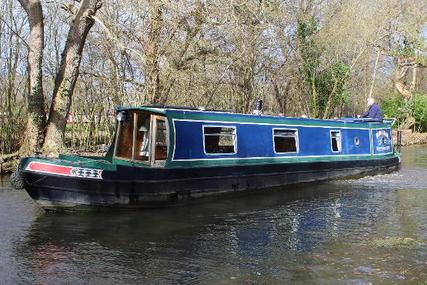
x=411, y=138
x=8, y=163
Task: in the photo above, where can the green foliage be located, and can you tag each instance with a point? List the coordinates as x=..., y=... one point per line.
x=410, y=50
x=310, y=53
x=326, y=85
x=333, y=81
x=392, y=107
x=397, y=107
x=420, y=111
x=310, y=56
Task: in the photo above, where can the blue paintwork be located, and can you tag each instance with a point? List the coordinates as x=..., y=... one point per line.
x=257, y=141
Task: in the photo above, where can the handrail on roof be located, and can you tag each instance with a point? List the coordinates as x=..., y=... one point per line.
x=168, y=107
x=173, y=107
x=363, y=120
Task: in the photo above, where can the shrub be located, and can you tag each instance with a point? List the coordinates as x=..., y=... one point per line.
x=420, y=112
x=392, y=106
x=12, y=126
x=397, y=107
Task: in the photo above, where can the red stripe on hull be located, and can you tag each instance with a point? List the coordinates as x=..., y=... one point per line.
x=49, y=168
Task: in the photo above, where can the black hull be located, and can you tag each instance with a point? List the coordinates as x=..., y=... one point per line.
x=131, y=187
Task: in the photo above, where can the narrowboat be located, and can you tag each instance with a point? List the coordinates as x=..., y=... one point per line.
x=160, y=155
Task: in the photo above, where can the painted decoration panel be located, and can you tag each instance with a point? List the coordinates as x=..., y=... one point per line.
x=382, y=141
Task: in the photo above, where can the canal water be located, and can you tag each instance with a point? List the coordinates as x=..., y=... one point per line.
x=371, y=230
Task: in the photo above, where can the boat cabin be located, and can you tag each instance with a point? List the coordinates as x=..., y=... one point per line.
x=141, y=137
x=173, y=137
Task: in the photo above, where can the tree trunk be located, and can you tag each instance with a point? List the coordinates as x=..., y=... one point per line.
x=152, y=53
x=281, y=97
x=401, y=74
x=413, y=85
x=327, y=113
x=33, y=137
x=67, y=75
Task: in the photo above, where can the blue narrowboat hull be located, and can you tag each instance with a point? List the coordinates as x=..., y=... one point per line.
x=133, y=187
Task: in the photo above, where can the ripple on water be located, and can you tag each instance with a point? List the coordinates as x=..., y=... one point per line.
x=404, y=179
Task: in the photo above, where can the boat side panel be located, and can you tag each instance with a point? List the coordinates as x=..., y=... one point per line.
x=255, y=141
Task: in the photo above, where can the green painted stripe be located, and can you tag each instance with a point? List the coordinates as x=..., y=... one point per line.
x=105, y=165
x=249, y=161
x=75, y=161
x=142, y=108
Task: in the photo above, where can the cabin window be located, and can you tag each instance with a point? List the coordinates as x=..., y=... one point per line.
x=142, y=137
x=285, y=140
x=219, y=140
x=160, y=139
x=336, y=141
x=124, y=135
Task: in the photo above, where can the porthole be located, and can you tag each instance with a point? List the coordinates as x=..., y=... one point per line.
x=356, y=141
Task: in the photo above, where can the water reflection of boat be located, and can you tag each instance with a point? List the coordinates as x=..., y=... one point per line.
x=164, y=154
x=246, y=222
x=239, y=235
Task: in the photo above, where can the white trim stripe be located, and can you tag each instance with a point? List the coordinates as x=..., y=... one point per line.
x=269, y=124
x=282, y=157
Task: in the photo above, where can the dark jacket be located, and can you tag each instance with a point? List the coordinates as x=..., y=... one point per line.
x=373, y=112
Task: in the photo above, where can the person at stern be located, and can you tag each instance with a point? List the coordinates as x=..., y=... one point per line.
x=373, y=112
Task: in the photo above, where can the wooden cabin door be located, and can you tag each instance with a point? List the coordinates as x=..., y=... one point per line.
x=159, y=145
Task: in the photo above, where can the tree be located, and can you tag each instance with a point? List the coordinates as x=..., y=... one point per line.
x=33, y=137
x=326, y=82
x=153, y=52
x=67, y=75
x=65, y=80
